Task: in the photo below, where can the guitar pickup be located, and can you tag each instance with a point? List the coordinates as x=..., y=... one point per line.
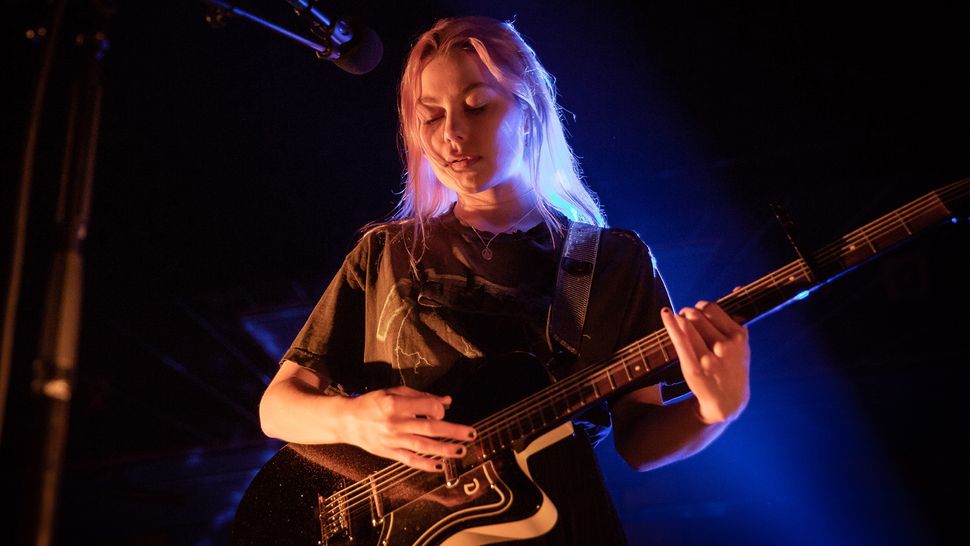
x=376, y=505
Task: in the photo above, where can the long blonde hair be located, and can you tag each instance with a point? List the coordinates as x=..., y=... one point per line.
x=555, y=174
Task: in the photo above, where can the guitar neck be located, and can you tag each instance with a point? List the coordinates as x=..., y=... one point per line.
x=642, y=361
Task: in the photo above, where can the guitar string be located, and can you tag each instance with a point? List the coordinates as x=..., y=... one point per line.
x=922, y=204
x=500, y=421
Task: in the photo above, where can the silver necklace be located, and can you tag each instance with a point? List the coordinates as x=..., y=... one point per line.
x=487, y=252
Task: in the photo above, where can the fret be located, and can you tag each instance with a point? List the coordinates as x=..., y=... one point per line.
x=616, y=378
x=603, y=386
x=515, y=426
x=543, y=410
x=497, y=442
x=525, y=424
x=903, y=223
x=626, y=370
x=791, y=283
x=868, y=241
x=851, y=254
x=809, y=277
x=500, y=437
x=889, y=238
x=783, y=288
x=574, y=399
x=646, y=365
x=570, y=400
x=589, y=393
x=802, y=275
x=786, y=291
x=927, y=214
x=535, y=417
x=561, y=404
x=746, y=294
x=663, y=350
x=488, y=447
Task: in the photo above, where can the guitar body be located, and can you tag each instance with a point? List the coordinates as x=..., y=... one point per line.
x=295, y=498
x=493, y=502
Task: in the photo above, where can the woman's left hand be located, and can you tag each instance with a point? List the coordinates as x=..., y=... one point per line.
x=714, y=358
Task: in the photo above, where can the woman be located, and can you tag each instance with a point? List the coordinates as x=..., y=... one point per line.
x=465, y=271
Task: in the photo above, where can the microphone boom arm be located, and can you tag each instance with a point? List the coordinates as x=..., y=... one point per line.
x=220, y=9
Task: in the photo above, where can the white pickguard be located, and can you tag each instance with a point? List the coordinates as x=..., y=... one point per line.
x=539, y=524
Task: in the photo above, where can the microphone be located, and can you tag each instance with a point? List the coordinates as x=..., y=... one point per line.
x=353, y=47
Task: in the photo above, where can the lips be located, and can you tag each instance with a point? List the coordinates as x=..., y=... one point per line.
x=462, y=163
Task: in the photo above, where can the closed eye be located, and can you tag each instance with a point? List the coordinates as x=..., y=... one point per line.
x=470, y=110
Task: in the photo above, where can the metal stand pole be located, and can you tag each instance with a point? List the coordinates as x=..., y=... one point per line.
x=54, y=366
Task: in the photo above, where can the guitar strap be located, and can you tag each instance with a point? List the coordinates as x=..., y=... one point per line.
x=567, y=314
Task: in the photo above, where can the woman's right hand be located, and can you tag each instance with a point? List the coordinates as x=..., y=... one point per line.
x=405, y=425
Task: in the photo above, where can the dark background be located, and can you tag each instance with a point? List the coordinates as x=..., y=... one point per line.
x=234, y=169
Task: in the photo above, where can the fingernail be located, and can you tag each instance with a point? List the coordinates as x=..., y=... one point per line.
x=665, y=310
x=460, y=451
x=438, y=466
x=471, y=434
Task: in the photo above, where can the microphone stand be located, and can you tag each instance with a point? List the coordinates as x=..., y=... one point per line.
x=54, y=365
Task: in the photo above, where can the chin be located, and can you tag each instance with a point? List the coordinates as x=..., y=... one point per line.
x=469, y=185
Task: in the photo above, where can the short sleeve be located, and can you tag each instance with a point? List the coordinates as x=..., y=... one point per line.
x=648, y=294
x=331, y=341
x=625, y=301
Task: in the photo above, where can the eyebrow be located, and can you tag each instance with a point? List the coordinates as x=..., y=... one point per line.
x=469, y=88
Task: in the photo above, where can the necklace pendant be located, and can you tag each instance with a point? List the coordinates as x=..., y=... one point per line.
x=487, y=254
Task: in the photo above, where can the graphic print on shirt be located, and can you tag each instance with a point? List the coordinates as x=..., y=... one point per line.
x=432, y=323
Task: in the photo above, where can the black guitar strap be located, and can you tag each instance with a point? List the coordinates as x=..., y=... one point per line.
x=567, y=315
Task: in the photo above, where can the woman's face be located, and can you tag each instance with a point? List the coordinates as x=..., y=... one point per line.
x=471, y=128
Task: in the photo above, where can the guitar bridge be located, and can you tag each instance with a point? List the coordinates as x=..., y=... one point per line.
x=334, y=518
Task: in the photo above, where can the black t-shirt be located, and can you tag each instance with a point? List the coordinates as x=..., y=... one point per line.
x=400, y=313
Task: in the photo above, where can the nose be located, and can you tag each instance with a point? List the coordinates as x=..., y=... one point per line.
x=456, y=128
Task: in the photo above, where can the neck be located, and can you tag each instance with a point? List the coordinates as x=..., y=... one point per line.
x=516, y=211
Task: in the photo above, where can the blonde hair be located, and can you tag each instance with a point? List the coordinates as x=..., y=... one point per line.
x=555, y=174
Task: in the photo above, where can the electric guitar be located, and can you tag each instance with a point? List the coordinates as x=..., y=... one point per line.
x=341, y=495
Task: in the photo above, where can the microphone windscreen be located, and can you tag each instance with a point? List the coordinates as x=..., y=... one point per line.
x=362, y=53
